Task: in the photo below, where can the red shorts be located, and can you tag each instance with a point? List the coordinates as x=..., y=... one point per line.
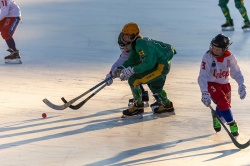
x=8, y=26
x=220, y=94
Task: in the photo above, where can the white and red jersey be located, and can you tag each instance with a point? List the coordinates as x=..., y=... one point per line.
x=218, y=70
x=122, y=58
x=9, y=9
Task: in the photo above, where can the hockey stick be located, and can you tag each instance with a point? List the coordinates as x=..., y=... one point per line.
x=66, y=105
x=236, y=143
x=76, y=107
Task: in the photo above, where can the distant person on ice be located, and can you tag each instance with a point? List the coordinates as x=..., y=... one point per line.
x=217, y=65
x=10, y=16
x=148, y=62
x=229, y=25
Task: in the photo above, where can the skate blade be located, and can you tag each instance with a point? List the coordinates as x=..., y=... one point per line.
x=231, y=28
x=13, y=61
x=246, y=30
x=139, y=116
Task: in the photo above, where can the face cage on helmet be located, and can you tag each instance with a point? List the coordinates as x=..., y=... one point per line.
x=123, y=41
x=131, y=38
x=122, y=47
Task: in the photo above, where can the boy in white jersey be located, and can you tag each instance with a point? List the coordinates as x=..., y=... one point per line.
x=217, y=64
x=10, y=16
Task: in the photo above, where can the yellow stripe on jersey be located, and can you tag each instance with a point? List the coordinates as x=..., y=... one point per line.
x=150, y=76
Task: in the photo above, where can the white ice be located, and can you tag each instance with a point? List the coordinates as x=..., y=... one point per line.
x=67, y=47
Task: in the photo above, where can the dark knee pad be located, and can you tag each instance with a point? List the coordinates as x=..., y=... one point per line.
x=223, y=3
x=239, y=4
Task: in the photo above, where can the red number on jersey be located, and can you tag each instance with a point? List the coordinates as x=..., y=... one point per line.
x=203, y=65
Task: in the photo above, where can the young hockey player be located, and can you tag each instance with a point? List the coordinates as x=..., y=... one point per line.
x=125, y=48
x=217, y=64
x=229, y=25
x=10, y=16
x=148, y=62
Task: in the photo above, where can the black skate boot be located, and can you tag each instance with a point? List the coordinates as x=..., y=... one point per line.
x=14, y=56
x=145, y=100
x=159, y=108
x=135, y=111
x=228, y=26
x=246, y=26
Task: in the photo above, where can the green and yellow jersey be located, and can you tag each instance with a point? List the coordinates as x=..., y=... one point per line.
x=147, y=53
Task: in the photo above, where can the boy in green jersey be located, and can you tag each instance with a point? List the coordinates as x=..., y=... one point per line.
x=148, y=63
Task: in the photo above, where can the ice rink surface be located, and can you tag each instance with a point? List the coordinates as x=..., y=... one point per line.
x=67, y=47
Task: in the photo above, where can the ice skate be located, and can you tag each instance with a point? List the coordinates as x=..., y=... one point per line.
x=246, y=26
x=145, y=100
x=13, y=58
x=234, y=128
x=159, y=108
x=216, y=124
x=228, y=26
x=135, y=111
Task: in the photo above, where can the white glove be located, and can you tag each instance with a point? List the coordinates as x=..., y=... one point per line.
x=242, y=91
x=126, y=73
x=206, y=99
x=110, y=81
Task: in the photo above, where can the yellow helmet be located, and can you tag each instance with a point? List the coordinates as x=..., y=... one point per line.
x=131, y=29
